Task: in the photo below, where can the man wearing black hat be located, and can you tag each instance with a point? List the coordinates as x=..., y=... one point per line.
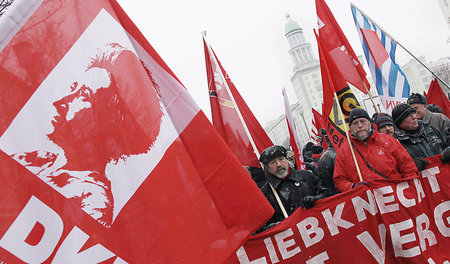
x=385, y=124
x=378, y=155
x=436, y=120
x=295, y=188
x=419, y=139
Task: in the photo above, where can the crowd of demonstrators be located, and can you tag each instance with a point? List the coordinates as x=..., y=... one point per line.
x=378, y=155
x=385, y=124
x=420, y=139
x=396, y=149
x=295, y=188
x=436, y=120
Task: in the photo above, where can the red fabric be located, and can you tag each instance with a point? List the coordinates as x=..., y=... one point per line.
x=383, y=223
x=436, y=96
x=335, y=42
x=376, y=49
x=225, y=117
x=382, y=152
x=318, y=119
x=332, y=79
x=153, y=182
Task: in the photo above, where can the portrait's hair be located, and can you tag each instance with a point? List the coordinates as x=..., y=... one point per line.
x=128, y=113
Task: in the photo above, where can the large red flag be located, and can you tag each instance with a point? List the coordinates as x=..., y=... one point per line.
x=333, y=82
x=104, y=155
x=436, y=96
x=294, y=141
x=332, y=79
x=335, y=42
x=225, y=115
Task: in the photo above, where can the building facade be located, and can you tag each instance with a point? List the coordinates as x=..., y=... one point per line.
x=307, y=84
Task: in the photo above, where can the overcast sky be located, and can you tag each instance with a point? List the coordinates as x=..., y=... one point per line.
x=248, y=38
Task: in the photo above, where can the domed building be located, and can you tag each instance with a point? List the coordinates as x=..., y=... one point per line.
x=306, y=81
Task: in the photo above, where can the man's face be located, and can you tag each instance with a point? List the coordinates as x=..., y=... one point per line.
x=278, y=167
x=410, y=123
x=360, y=128
x=387, y=129
x=421, y=110
x=76, y=124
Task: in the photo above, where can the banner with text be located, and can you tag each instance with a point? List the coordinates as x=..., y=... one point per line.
x=392, y=221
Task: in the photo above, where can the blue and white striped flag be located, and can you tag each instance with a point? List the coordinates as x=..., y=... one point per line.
x=379, y=50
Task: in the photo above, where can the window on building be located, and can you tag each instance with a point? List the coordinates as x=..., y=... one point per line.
x=294, y=59
x=299, y=56
x=317, y=85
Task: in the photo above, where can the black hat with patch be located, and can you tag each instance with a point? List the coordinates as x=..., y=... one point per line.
x=272, y=153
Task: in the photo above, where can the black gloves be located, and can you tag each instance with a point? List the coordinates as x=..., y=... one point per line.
x=421, y=163
x=308, y=201
x=356, y=184
x=445, y=155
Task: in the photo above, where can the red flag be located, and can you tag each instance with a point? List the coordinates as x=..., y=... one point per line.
x=436, y=96
x=293, y=137
x=376, y=48
x=332, y=79
x=225, y=114
x=318, y=119
x=105, y=157
x=335, y=42
x=333, y=82
x=319, y=122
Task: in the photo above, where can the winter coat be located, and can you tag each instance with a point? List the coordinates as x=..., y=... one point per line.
x=424, y=142
x=382, y=152
x=438, y=121
x=291, y=190
x=326, y=168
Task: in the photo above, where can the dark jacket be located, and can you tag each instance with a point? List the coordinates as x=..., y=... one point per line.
x=292, y=189
x=326, y=168
x=424, y=142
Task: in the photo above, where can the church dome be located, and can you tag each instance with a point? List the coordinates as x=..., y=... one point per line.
x=291, y=25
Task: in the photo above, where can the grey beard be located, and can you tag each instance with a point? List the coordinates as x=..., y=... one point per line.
x=282, y=174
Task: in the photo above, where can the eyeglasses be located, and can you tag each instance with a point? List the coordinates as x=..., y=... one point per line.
x=362, y=121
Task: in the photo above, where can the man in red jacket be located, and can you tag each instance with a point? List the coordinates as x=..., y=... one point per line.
x=378, y=155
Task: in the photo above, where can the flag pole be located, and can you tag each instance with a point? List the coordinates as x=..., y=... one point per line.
x=241, y=119
x=398, y=43
x=371, y=99
x=348, y=136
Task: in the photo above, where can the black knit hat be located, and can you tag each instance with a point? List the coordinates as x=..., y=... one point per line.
x=272, y=153
x=383, y=120
x=400, y=112
x=358, y=113
x=416, y=98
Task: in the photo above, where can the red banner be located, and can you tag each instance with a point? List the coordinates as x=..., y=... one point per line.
x=104, y=155
x=392, y=221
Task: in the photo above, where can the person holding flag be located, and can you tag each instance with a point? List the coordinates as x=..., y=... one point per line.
x=379, y=155
x=297, y=188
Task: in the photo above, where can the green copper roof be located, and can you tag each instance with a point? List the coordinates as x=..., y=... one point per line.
x=291, y=25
